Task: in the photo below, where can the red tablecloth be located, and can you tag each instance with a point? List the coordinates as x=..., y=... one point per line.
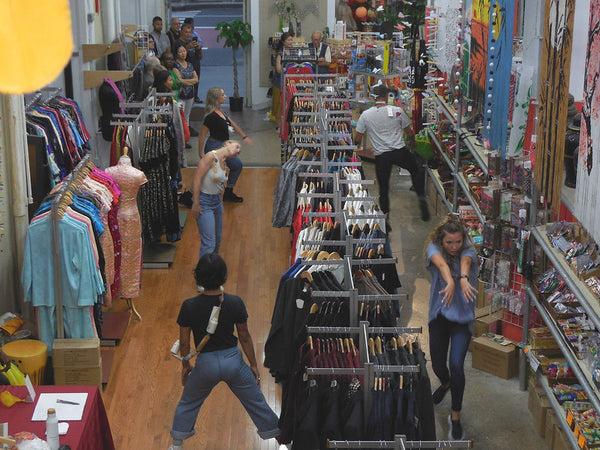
x=92, y=432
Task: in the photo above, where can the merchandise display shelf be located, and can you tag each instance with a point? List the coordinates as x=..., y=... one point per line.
x=584, y=376
x=449, y=112
x=438, y=187
x=476, y=149
x=586, y=298
x=560, y=412
x=381, y=76
x=459, y=176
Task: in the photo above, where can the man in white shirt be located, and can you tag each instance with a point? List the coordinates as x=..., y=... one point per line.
x=161, y=40
x=385, y=125
x=322, y=51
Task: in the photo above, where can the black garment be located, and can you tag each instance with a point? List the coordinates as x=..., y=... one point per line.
x=383, y=170
x=173, y=36
x=571, y=146
x=424, y=399
x=320, y=69
x=217, y=126
x=109, y=103
x=195, y=313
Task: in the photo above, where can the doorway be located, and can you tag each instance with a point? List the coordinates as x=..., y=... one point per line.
x=216, y=65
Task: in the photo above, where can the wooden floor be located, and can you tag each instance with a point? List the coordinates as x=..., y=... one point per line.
x=145, y=385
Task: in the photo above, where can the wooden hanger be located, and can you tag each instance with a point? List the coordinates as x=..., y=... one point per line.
x=314, y=308
x=306, y=275
x=322, y=255
x=333, y=256
x=371, y=345
x=394, y=343
x=371, y=254
x=378, y=345
x=310, y=342
x=353, y=347
x=376, y=226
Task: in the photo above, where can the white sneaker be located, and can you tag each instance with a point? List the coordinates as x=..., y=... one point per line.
x=200, y=288
x=175, y=447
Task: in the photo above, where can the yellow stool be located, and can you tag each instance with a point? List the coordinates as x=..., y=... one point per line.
x=29, y=356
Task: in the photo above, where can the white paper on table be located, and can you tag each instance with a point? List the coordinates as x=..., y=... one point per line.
x=63, y=411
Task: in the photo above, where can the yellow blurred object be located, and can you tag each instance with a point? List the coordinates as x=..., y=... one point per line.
x=32, y=60
x=8, y=399
x=15, y=376
x=12, y=326
x=29, y=355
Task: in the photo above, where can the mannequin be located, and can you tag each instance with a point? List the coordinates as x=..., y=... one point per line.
x=129, y=179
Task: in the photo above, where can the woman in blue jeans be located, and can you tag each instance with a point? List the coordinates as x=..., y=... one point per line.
x=220, y=359
x=207, y=207
x=452, y=262
x=218, y=126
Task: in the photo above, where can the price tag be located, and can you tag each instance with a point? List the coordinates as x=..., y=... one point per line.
x=533, y=362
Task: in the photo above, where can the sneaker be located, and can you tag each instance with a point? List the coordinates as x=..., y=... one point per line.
x=455, y=432
x=176, y=447
x=229, y=196
x=424, y=210
x=199, y=288
x=440, y=393
x=193, y=132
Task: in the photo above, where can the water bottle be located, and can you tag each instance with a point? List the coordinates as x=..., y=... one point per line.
x=52, y=430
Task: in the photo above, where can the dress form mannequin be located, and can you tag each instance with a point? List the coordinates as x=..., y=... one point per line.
x=129, y=179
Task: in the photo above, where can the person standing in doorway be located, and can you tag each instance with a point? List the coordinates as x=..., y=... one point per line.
x=197, y=56
x=385, y=124
x=186, y=73
x=218, y=126
x=174, y=31
x=219, y=359
x=322, y=50
x=452, y=262
x=161, y=40
x=192, y=53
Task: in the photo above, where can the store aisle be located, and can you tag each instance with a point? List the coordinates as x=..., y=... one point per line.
x=145, y=384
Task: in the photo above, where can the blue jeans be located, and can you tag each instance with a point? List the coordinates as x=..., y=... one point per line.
x=442, y=334
x=210, y=223
x=234, y=164
x=210, y=369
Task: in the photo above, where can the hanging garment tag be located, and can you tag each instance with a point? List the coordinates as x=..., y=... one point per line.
x=299, y=303
x=390, y=111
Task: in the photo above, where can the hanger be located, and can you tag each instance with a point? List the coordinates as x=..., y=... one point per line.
x=314, y=308
x=378, y=345
x=322, y=255
x=394, y=343
x=306, y=275
x=310, y=342
x=334, y=255
x=371, y=345
x=371, y=254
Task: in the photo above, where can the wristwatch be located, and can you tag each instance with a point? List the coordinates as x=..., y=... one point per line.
x=464, y=276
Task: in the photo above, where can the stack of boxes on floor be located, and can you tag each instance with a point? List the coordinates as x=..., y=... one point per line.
x=77, y=362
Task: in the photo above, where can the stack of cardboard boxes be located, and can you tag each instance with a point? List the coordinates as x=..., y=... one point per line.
x=77, y=362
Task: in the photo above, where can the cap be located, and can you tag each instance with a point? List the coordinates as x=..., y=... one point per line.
x=380, y=90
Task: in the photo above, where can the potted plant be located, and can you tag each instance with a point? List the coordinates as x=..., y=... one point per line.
x=236, y=34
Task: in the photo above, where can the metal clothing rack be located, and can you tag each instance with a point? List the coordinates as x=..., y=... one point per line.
x=399, y=443
x=56, y=257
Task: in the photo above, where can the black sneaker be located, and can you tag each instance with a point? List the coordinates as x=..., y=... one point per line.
x=229, y=196
x=193, y=132
x=455, y=432
x=440, y=393
x=424, y=210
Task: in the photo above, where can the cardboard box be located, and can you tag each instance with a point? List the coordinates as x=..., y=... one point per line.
x=495, y=358
x=559, y=439
x=485, y=324
x=76, y=352
x=481, y=299
x=539, y=405
x=550, y=422
x=79, y=376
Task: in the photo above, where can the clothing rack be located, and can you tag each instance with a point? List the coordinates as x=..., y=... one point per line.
x=400, y=443
x=55, y=215
x=37, y=97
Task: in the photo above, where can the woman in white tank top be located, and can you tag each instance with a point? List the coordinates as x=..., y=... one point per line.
x=207, y=207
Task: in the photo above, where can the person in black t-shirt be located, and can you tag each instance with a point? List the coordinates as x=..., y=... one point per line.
x=220, y=359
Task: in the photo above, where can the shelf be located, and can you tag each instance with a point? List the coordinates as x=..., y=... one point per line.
x=373, y=74
x=582, y=373
x=438, y=186
x=586, y=298
x=450, y=113
x=560, y=412
x=460, y=178
x=476, y=150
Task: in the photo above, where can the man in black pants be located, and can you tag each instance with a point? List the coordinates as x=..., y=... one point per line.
x=385, y=125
